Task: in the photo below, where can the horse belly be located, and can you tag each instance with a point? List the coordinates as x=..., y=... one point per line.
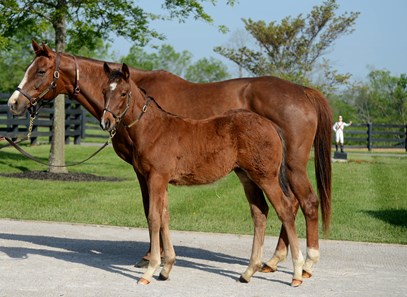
x=204, y=168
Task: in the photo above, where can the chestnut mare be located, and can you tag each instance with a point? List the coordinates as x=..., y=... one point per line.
x=302, y=114
x=171, y=149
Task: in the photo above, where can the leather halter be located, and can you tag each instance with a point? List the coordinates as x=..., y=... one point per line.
x=118, y=118
x=53, y=84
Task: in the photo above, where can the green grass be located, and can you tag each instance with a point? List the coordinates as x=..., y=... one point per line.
x=369, y=200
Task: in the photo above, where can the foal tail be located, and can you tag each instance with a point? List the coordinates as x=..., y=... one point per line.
x=282, y=175
x=322, y=153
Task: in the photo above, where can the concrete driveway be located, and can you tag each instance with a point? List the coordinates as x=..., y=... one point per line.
x=54, y=259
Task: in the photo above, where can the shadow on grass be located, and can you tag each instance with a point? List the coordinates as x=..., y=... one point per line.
x=396, y=217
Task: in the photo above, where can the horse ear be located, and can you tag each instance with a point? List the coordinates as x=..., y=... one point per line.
x=37, y=49
x=126, y=71
x=46, y=50
x=106, y=68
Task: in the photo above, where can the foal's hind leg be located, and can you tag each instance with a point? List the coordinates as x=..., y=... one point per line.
x=283, y=207
x=259, y=210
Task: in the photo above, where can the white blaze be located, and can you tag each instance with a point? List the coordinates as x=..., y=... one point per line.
x=14, y=96
x=113, y=86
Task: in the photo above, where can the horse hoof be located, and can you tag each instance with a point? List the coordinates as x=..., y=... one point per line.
x=162, y=277
x=306, y=274
x=143, y=263
x=267, y=269
x=296, y=283
x=143, y=281
x=243, y=280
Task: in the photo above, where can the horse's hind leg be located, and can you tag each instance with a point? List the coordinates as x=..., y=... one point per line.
x=284, y=209
x=169, y=253
x=259, y=211
x=309, y=203
x=280, y=254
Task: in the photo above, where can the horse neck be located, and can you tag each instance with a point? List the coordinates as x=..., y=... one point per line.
x=153, y=116
x=91, y=79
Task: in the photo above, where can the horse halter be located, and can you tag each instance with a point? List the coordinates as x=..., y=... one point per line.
x=53, y=84
x=119, y=117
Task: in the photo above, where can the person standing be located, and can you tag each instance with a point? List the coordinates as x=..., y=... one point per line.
x=338, y=128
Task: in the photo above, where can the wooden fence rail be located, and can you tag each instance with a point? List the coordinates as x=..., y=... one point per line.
x=79, y=125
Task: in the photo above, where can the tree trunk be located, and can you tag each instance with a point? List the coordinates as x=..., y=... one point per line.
x=57, y=153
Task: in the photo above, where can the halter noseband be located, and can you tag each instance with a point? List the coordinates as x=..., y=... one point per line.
x=53, y=84
x=118, y=118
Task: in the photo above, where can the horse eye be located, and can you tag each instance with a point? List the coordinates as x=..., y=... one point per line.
x=123, y=94
x=41, y=72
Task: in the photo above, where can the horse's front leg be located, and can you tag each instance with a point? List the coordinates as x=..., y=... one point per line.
x=143, y=263
x=157, y=193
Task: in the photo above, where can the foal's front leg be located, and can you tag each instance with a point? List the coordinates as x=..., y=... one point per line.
x=157, y=189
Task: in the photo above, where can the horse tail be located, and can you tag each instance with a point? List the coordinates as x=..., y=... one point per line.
x=282, y=174
x=322, y=153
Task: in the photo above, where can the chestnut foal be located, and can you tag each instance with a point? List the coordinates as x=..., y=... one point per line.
x=181, y=151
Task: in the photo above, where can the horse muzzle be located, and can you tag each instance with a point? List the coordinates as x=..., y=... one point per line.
x=16, y=104
x=107, y=122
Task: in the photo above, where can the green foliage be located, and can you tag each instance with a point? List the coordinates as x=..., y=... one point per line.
x=292, y=49
x=368, y=197
x=382, y=99
x=166, y=58
x=84, y=23
x=207, y=70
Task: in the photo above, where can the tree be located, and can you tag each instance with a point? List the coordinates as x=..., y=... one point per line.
x=207, y=70
x=83, y=23
x=293, y=48
x=179, y=63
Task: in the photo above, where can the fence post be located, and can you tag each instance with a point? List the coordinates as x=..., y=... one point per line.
x=369, y=136
x=405, y=137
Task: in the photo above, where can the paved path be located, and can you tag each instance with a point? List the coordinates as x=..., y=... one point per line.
x=52, y=259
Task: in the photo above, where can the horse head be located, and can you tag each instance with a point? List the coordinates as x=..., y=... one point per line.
x=117, y=95
x=39, y=82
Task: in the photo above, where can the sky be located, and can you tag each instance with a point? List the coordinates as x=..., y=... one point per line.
x=378, y=42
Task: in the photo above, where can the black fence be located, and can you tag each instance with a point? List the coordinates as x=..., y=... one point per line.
x=376, y=136
x=81, y=126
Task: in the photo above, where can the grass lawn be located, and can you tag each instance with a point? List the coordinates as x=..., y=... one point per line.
x=369, y=198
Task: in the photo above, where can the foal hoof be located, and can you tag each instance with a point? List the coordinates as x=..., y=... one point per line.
x=162, y=277
x=243, y=280
x=143, y=263
x=143, y=281
x=296, y=283
x=267, y=269
x=306, y=274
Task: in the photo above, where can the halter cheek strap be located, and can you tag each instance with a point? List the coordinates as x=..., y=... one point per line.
x=52, y=86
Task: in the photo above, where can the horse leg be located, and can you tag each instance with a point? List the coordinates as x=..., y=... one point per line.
x=280, y=254
x=169, y=253
x=302, y=189
x=284, y=209
x=157, y=189
x=143, y=263
x=259, y=210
